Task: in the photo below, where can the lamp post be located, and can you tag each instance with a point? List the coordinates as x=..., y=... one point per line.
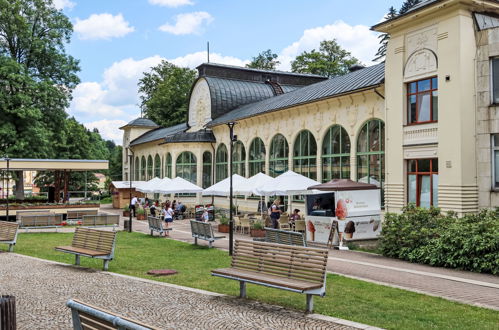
x=8, y=179
x=233, y=138
x=130, y=160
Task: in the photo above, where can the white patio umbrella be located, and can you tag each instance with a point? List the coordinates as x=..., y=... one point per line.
x=178, y=186
x=222, y=188
x=289, y=183
x=255, y=182
x=148, y=186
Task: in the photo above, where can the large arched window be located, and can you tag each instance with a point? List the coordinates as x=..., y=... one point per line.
x=221, y=159
x=239, y=158
x=305, y=155
x=336, y=154
x=371, y=154
x=279, y=153
x=207, y=166
x=137, y=169
x=143, y=168
x=256, y=158
x=168, y=165
x=149, y=167
x=157, y=166
x=186, y=166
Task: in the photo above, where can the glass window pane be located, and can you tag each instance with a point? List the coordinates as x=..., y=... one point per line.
x=412, y=166
x=495, y=79
x=434, y=83
x=411, y=189
x=412, y=88
x=435, y=189
x=423, y=165
x=424, y=107
x=434, y=165
x=434, y=101
x=374, y=136
x=345, y=167
x=412, y=109
x=423, y=85
x=362, y=169
x=362, y=142
x=496, y=141
x=496, y=168
x=425, y=188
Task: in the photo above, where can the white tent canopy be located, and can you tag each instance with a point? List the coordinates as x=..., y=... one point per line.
x=289, y=183
x=255, y=182
x=126, y=184
x=222, y=188
x=178, y=186
x=149, y=186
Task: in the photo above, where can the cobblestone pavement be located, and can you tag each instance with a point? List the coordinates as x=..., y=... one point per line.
x=41, y=294
x=466, y=287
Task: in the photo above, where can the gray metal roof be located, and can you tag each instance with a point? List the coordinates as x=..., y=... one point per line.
x=144, y=122
x=158, y=134
x=199, y=136
x=485, y=21
x=228, y=94
x=348, y=83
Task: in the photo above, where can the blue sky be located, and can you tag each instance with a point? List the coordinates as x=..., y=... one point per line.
x=117, y=40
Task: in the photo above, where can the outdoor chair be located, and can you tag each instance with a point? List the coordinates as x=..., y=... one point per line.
x=237, y=223
x=245, y=224
x=284, y=222
x=300, y=225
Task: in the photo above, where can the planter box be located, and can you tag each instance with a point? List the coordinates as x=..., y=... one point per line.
x=141, y=216
x=126, y=213
x=257, y=232
x=223, y=228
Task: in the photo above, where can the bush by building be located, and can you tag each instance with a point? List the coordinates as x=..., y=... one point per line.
x=428, y=236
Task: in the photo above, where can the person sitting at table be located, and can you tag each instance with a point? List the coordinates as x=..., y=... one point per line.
x=293, y=217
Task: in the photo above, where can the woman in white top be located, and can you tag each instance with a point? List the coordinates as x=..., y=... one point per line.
x=168, y=216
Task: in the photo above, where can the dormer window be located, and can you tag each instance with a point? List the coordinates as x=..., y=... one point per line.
x=422, y=101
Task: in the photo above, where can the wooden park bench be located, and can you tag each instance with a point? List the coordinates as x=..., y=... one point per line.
x=86, y=316
x=293, y=268
x=79, y=214
x=156, y=225
x=8, y=233
x=41, y=220
x=204, y=231
x=91, y=243
x=102, y=219
x=284, y=237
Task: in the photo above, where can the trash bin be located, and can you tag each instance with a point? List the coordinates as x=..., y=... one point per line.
x=8, y=313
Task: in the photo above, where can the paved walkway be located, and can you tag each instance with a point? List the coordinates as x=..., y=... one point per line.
x=41, y=294
x=466, y=287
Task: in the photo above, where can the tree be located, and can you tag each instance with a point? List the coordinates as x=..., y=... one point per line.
x=266, y=60
x=384, y=37
x=408, y=4
x=36, y=79
x=165, y=92
x=331, y=60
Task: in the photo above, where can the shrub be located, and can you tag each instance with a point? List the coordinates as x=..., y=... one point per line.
x=427, y=236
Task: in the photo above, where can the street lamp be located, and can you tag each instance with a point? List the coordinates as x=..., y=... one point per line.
x=8, y=179
x=130, y=160
x=233, y=138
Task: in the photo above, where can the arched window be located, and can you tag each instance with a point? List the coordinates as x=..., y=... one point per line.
x=239, y=158
x=149, y=167
x=143, y=168
x=221, y=163
x=207, y=166
x=137, y=169
x=336, y=154
x=305, y=155
x=157, y=166
x=279, y=153
x=371, y=154
x=168, y=165
x=186, y=166
x=256, y=158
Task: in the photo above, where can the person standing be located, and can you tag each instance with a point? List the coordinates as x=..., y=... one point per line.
x=168, y=214
x=133, y=204
x=275, y=214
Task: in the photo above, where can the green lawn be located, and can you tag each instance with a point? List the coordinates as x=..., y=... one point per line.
x=346, y=298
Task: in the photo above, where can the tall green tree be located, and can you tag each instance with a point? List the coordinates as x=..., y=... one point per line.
x=408, y=4
x=165, y=92
x=384, y=37
x=266, y=60
x=36, y=78
x=331, y=60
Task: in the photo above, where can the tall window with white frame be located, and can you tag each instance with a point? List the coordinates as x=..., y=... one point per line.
x=186, y=166
x=168, y=165
x=256, y=157
x=278, y=157
x=221, y=163
x=422, y=182
x=336, y=154
x=207, y=166
x=239, y=159
x=305, y=155
x=422, y=101
x=495, y=161
x=494, y=62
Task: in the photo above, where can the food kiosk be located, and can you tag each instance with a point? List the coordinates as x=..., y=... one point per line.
x=342, y=210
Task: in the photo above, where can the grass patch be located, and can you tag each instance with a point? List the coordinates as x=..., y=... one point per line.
x=346, y=298
x=106, y=200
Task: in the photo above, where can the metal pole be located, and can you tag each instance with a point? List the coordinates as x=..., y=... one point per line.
x=130, y=160
x=8, y=179
x=231, y=217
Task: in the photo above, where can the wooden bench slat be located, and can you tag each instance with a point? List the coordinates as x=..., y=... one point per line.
x=297, y=269
x=90, y=322
x=311, y=259
x=81, y=250
x=299, y=262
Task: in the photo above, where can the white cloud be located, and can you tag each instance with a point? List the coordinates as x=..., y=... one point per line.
x=61, y=4
x=171, y=3
x=108, y=129
x=194, y=59
x=102, y=26
x=357, y=39
x=190, y=23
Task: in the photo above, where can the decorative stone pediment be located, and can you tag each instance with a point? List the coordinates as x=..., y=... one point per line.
x=421, y=62
x=199, y=106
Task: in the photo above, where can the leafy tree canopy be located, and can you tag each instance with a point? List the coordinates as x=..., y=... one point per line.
x=165, y=92
x=331, y=60
x=266, y=60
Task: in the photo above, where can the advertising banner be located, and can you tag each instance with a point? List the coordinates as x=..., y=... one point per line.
x=363, y=227
x=355, y=203
x=318, y=228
